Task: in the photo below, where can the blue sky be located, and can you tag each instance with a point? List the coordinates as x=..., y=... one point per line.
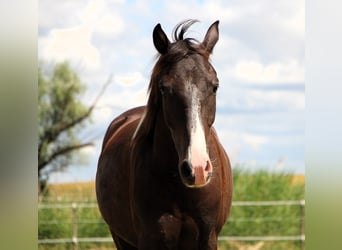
x=259, y=60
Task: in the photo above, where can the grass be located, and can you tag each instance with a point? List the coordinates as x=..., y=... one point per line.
x=266, y=220
x=243, y=221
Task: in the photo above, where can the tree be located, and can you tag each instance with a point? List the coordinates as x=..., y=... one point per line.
x=61, y=114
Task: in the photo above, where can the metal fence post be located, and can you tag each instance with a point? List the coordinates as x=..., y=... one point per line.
x=74, y=226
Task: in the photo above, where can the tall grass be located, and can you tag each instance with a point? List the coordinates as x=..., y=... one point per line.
x=262, y=185
x=265, y=220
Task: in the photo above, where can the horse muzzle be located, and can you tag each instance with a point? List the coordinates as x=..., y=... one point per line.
x=196, y=176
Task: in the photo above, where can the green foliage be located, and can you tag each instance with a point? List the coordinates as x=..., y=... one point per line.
x=65, y=90
x=60, y=115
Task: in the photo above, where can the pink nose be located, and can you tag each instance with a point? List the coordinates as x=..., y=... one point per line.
x=196, y=176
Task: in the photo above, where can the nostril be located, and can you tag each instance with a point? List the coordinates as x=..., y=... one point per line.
x=207, y=166
x=186, y=169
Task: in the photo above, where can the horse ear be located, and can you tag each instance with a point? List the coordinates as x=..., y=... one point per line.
x=160, y=40
x=211, y=37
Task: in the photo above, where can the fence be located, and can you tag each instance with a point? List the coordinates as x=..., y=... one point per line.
x=75, y=240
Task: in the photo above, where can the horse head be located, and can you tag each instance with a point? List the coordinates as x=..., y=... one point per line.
x=185, y=84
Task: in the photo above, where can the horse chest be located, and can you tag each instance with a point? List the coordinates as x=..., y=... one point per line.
x=155, y=196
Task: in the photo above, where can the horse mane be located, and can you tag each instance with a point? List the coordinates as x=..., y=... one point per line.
x=180, y=48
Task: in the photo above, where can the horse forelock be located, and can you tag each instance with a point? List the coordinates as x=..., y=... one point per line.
x=179, y=50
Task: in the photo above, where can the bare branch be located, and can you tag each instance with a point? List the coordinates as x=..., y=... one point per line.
x=62, y=151
x=66, y=126
x=102, y=91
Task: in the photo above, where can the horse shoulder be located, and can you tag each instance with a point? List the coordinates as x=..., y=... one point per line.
x=123, y=125
x=113, y=174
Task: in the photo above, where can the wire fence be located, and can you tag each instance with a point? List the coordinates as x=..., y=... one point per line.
x=77, y=219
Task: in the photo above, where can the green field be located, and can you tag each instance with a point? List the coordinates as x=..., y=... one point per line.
x=56, y=223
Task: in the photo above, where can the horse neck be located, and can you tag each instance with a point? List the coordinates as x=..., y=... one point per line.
x=154, y=131
x=163, y=146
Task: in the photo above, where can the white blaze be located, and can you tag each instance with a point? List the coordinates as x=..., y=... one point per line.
x=198, y=155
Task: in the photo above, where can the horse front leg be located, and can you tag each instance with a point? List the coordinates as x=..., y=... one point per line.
x=208, y=241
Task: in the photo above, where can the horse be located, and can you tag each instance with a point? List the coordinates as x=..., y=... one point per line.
x=163, y=179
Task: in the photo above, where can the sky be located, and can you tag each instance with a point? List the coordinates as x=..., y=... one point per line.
x=259, y=60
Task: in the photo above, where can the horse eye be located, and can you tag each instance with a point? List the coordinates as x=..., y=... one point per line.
x=215, y=88
x=162, y=89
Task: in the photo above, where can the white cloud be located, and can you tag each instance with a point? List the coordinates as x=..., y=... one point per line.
x=236, y=140
x=102, y=114
x=262, y=138
x=274, y=100
x=129, y=99
x=123, y=99
x=206, y=12
x=221, y=12
x=72, y=44
x=110, y=24
x=90, y=13
x=292, y=16
x=75, y=43
x=51, y=11
x=265, y=124
x=249, y=99
x=96, y=16
x=277, y=72
x=130, y=79
x=85, y=154
x=255, y=141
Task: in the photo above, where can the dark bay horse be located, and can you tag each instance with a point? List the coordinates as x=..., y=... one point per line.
x=164, y=180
